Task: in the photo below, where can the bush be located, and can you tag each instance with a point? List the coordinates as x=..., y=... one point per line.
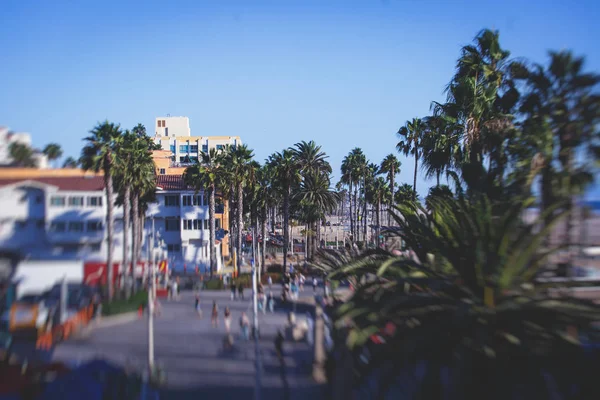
x=126, y=305
x=214, y=284
x=275, y=276
x=276, y=268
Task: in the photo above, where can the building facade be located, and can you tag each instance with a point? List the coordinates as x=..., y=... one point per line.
x=61, y=214
x=173, y=134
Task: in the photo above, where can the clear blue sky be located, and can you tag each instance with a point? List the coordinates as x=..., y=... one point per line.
x=344, y=73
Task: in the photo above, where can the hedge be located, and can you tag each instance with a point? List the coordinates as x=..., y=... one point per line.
x=244, y=279
x=126, y=305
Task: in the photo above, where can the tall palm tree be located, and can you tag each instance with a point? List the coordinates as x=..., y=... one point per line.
x=391, y=166
x=286, y=175
x=70, y=162
x=206, y=175
x=411, y=135
x=562, y=109
x=53, y=151
x=406, y=194
x=98, y=155
x=238, y=163
x=377, y=191
x=21, y=155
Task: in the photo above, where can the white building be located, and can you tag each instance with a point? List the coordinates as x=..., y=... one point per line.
x=65, y=218
x=7, y=137
x=174, y=134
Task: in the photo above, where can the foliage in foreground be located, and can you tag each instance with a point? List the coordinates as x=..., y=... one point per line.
x=463, y=308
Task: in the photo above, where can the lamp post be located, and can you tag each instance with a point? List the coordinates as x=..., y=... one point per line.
x=257, y=385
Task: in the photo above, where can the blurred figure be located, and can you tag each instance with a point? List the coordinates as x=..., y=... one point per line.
x=270, y=281
x=232, y=287
x=314, y=283
x=241, y=291
x=214, y=319
x=245, y=326
x=197, y=306
x=271, y=302
x=227, y=320
x=279, y=346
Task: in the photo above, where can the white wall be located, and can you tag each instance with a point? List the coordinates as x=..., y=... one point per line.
x=174, y=126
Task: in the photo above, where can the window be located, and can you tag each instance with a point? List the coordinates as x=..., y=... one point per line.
x=187, y=224
x=217, y=223
x=171, y=248
x=171, y=201
x=171, y=225
x=76, y=201
x=220, y=147
x=162, y=171
x=163, y=123
x=158, y=122
x=184, y=148
x=172, y=148
x=95, y=201
x=94, y=226
x=96, y=247
x=75, y=226
x=206, y=224
x=197, y=224
x=58, y=226
x=187, y=200
x=197, y=200
x=38, y=199
x=57, y=201
x=194, y=148
x=40, y=224
x=205, y=148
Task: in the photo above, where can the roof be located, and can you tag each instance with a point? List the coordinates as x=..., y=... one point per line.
x=70, y=183
x=171, y=182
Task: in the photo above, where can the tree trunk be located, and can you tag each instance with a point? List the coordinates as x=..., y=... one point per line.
x=135, y=227
x=240, y=220
x=378, y=241
x=211, y=229
x=286, y=221
x=273, y=220
x=125, y=259
x=391, y=197
x=350, y=211
x=415, y=176
x=437, y=178
x=232, y=221
x=142, y=225
x=264, y=238
x=365, y=217
x=356, y=226
x=108, y=184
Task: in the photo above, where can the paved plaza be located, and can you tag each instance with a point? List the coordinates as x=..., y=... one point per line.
x=191, y=350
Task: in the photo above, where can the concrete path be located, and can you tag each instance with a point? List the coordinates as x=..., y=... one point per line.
x=192, y=354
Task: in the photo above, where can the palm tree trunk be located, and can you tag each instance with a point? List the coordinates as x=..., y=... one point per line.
x=240, y=220
x=365, y=210
x=135, y=227
x=264, y=238
x=108, y=184
x=415, y=175
x=286, y=221
x=126, y=197
x=437, y=177
x=140, y=233
x=211, y=229
x=350, y=211
x=356, y=226
x=391, y=197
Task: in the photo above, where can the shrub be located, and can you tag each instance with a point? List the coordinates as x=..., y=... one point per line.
x=274, y=268
x=214, y=284
x=126, y=305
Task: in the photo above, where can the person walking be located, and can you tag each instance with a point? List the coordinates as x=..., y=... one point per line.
x=232, y=290
x=197, y=306
x=175, y=290
x=271, y=302
x=214, y=319
x=227, y=320
x=270, y=281
x=314, y=282
x=279, y=346
x=302, y=279
x=245, y=326
x=241, y=291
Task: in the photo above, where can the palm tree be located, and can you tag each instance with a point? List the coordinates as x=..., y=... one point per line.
x=440, y=191
x=98, y=155
x=70, y=162
x=354, y=166
x=206, y=175
x=377, y=191
x=53, y=151
x=391, y=166
x=411, y=135
x=238, y=164
x=286, y=175
x=405, y=193
x=21, y=155
x=562, y=111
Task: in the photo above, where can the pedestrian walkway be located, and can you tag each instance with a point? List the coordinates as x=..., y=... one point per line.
x=193, y=355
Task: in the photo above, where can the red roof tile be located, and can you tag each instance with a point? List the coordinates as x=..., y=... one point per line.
x=72, y=183
x=171, y=182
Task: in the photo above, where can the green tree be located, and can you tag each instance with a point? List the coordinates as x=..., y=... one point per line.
x=206, y=175
x=377, y=191
x=98, y=155
x=70, y=162
x=390, y=166
x=405, y=193
x=286, y=174
x=22, y=155
x=411, y=135
x=53, y=151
